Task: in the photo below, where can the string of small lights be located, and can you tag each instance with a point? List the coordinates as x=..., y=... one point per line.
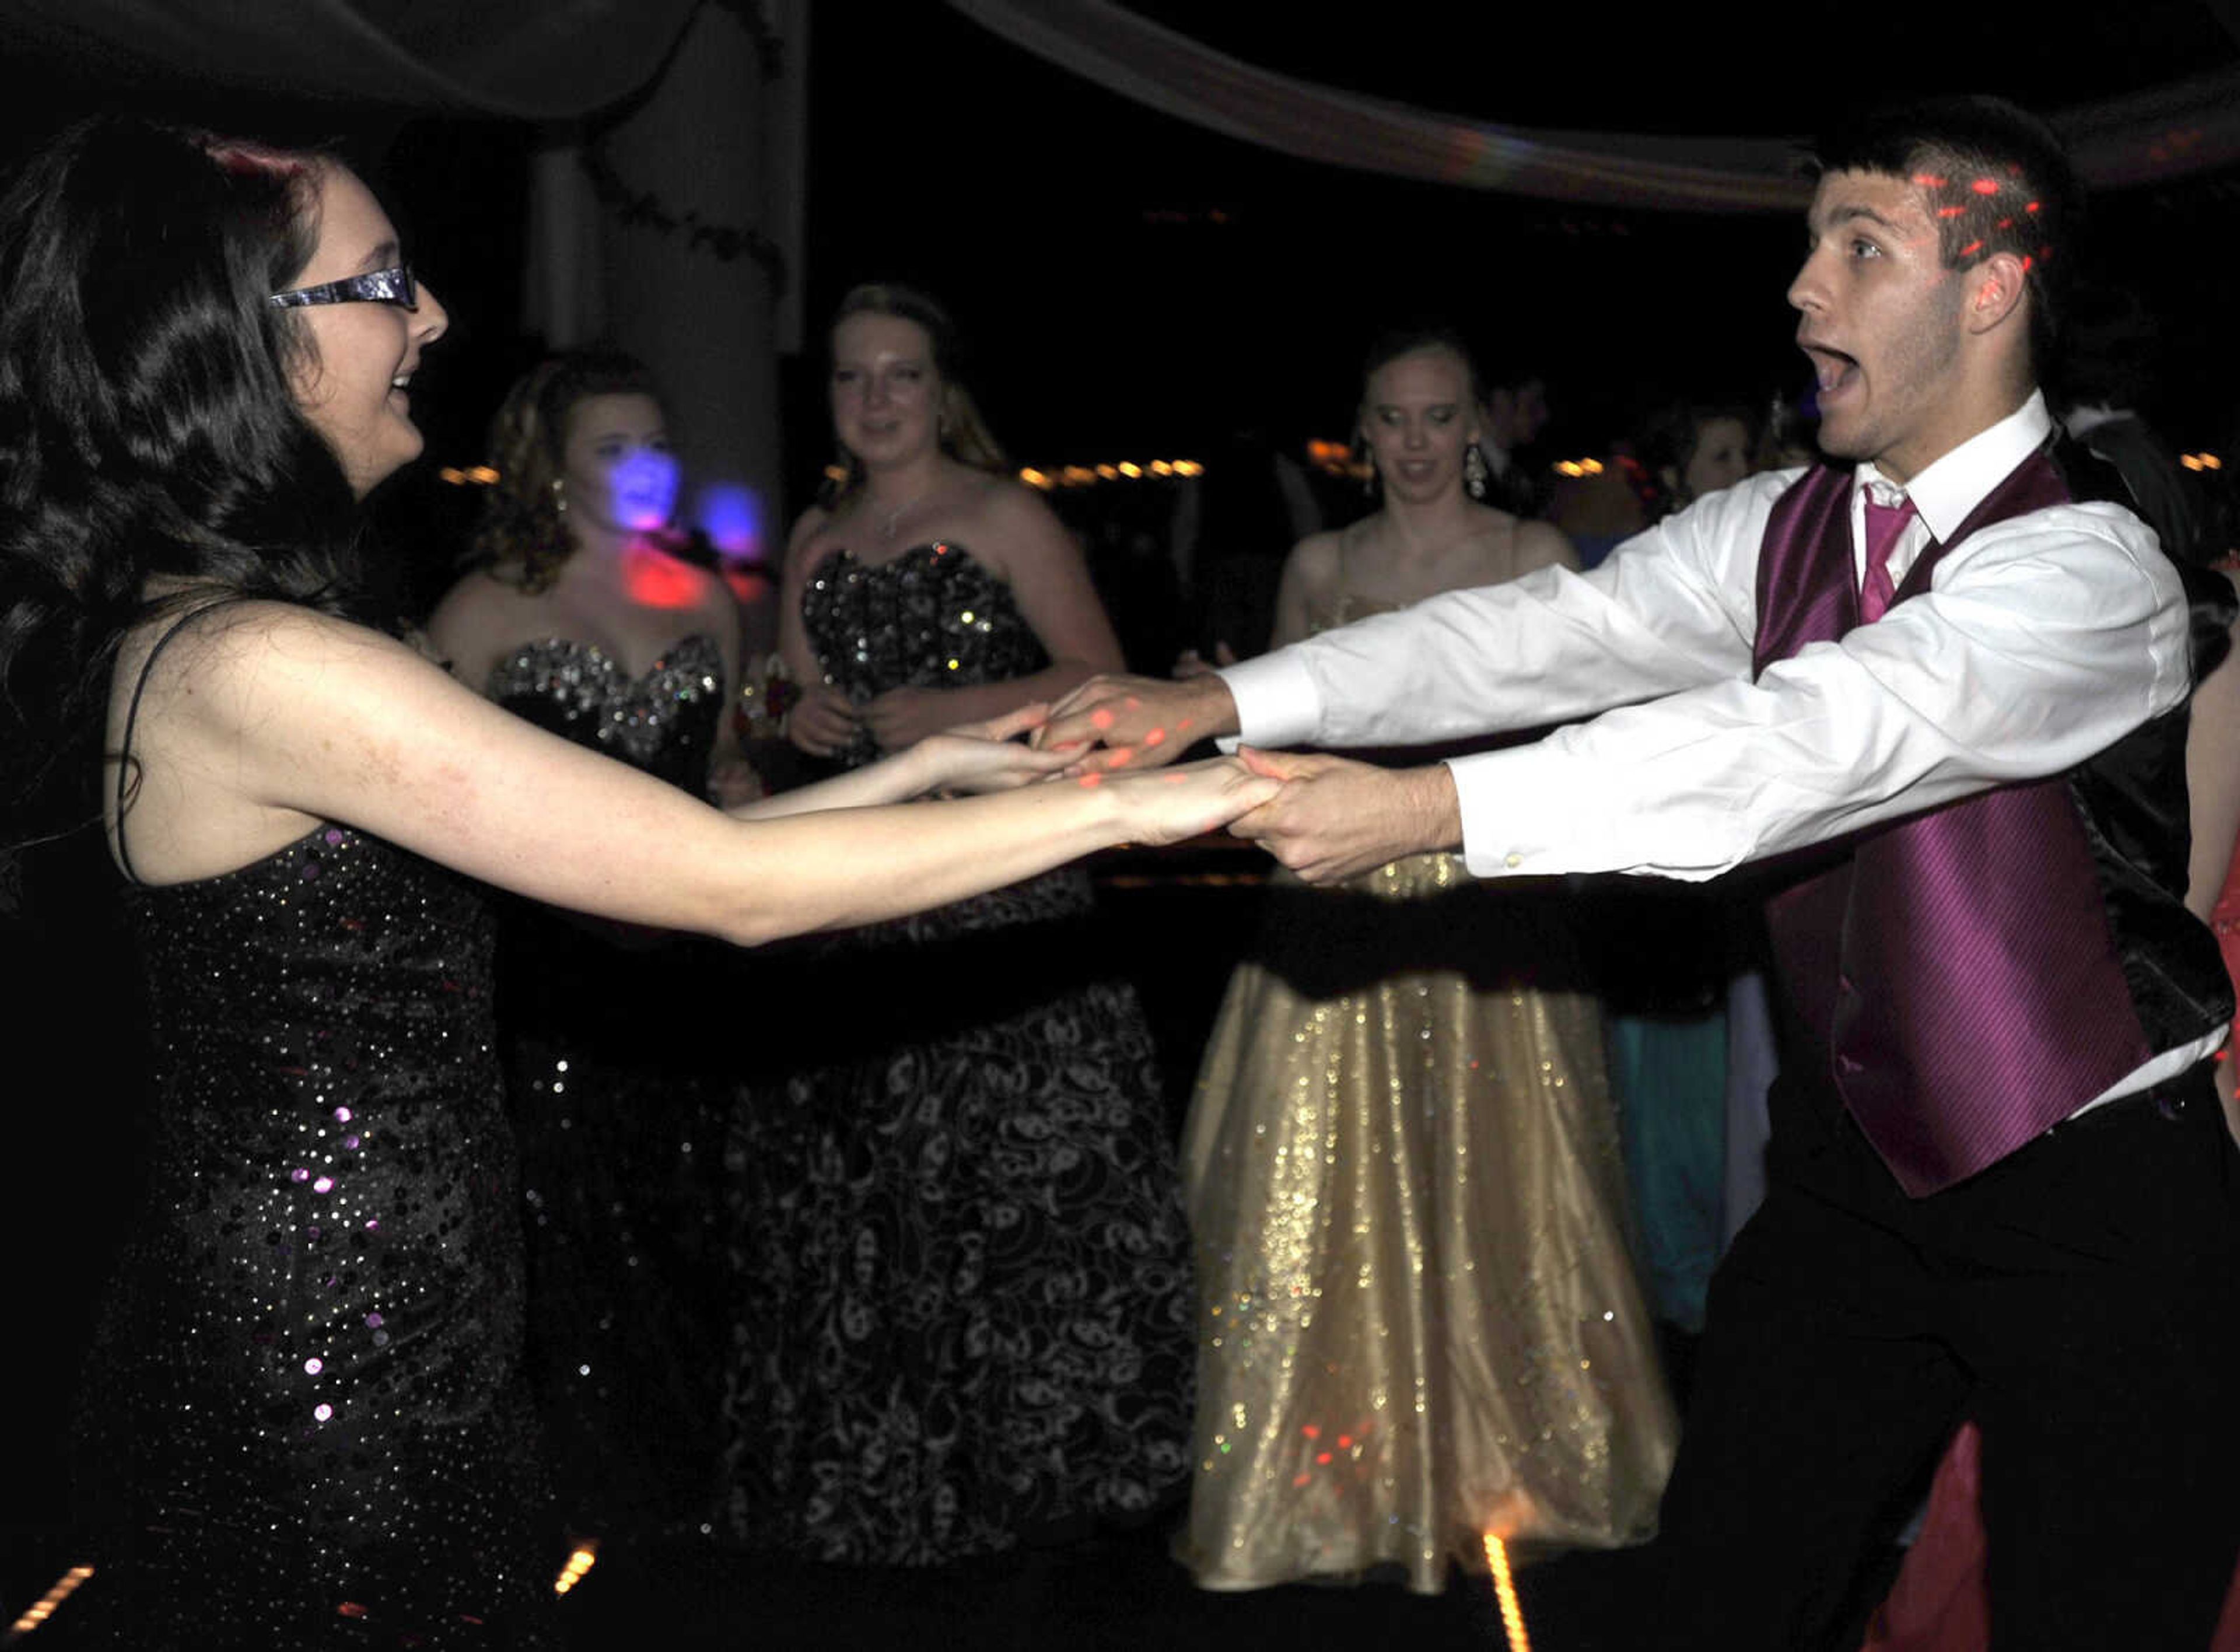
x=1504, y=1590
x=584, y=1556
x=1336, y=457
x=43, y=1609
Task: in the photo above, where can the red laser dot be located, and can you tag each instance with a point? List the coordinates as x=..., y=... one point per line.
x=1092, y=780
x=1971, y=249
x=350, y=1609
x=2027, y=261
x=1345, y=1442
x=1184, y=724
x=1985, y=186
x=1322, y=1458
x=2032, y=207
x=1122, y=756
x=1929, y=180
x=1102, y=718
x=1303, y=1479
x=1157, y=737
x=1951, y=211
x=1312, y=1432
x=2006, y=224
x=1133, y=703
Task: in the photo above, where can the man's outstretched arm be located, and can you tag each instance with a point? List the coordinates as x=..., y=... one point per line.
x=1674, y=609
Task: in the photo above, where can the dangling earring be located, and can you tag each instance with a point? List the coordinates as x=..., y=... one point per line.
x=1475, y=474
x=560, y=494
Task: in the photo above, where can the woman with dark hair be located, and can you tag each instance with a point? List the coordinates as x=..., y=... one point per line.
x=582, y=618
x=306, y=1409
x=965, y=1302
x=1694, y=447
x=1419, y=1321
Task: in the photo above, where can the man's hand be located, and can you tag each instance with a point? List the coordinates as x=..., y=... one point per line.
x=1336, y=818
x=1138, y=721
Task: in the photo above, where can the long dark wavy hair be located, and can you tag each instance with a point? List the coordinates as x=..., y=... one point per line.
x=522, y=523
x=148, y=431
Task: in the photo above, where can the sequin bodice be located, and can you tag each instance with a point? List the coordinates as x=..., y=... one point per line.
x=663, y=722
x=933, y=617
x=308, y=1378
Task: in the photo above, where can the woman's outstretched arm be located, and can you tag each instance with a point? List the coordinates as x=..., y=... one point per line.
x=264, y=720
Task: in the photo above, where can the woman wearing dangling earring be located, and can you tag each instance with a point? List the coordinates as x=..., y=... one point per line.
x=961, y=1315
x=580, y=619
x=1419, y=1321
x=573, y=557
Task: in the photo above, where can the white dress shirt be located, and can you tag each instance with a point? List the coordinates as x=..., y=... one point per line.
x=2041, y=642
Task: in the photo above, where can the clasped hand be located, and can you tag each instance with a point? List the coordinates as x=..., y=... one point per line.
x=1335, y=818
x=987, y=757
x=1114, y=721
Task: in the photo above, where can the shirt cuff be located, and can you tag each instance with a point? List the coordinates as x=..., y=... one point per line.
x=1277, y=703
x=1524, y=814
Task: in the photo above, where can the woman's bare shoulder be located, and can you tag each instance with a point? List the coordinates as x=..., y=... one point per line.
x=484, y=612
x=1008, y=505
x=1543, y=544
x=1317, y=562
x=228, y=664
x=817, y=533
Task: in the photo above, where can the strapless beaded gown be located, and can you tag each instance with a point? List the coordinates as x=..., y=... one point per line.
x=304, y=1424
x=1418, y=1318
x=963, y=1316
x=618, y=1098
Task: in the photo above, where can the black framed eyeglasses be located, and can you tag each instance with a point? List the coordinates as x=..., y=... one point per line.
x=376, y=287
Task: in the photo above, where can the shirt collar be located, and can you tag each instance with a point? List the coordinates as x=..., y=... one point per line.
x=1947, y=491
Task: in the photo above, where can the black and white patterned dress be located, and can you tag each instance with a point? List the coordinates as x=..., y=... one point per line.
x=964, y=1314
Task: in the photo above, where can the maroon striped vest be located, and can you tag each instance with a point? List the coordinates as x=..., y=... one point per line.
x=1969, y=976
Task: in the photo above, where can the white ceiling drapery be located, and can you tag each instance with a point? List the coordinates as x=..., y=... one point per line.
x=2167, y=132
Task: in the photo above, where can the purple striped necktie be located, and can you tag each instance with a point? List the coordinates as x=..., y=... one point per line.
x=1884, y=523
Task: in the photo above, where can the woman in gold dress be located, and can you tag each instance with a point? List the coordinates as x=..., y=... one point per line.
x=1419, y=1321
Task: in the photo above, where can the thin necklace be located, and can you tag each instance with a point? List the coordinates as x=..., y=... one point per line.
x=894, y=516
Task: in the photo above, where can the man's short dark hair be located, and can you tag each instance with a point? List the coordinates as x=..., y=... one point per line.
x=1997, y=177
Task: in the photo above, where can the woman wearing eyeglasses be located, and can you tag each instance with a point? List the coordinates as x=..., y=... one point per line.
x=305, y=1415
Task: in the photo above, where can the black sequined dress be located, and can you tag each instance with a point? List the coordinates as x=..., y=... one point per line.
x=963, y=1315
x=304, y=1424
x=618, y=1100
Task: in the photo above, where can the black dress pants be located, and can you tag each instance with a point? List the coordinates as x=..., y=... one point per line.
x=2080, y=1300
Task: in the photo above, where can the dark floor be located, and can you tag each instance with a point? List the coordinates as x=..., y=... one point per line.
x=1118, y=1593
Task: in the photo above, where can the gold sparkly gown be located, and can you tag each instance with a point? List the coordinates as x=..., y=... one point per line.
x=1418, y=1319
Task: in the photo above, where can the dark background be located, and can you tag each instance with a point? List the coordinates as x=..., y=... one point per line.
x=1136, y=287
